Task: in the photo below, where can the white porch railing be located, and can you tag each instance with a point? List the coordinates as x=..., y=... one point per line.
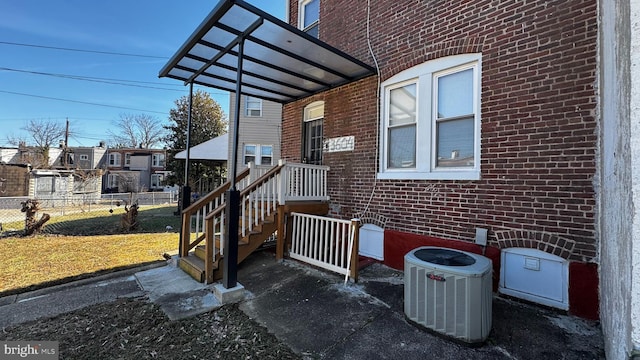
x=260, y=199
x=324, y=242
x=305, y=182
x=295, y=182
x=261, y=191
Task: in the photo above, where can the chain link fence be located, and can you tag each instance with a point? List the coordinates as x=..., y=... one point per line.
x=69, y=207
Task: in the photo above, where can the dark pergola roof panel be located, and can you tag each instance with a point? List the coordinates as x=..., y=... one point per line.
x=280, y=63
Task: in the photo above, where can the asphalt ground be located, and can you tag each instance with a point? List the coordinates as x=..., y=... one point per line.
x=318, y=316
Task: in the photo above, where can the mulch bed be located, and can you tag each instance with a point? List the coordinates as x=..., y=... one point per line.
x=138, y=329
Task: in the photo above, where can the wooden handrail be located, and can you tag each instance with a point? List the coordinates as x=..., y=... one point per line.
x=200, y=203
x=261, y=180
x=260, y=198
x=185, y=243
x=215, y=212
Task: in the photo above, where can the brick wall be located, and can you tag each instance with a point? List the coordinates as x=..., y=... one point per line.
x=538, y=119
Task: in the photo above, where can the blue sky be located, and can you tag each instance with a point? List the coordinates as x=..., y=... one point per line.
x=154, y=28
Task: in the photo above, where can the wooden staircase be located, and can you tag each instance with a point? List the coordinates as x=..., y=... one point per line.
x=264, y=208
x=194, y=263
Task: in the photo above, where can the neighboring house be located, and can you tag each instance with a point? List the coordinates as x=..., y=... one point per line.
x=9, y=155
x=31, y=155
x=481, y=118
x=134, y=170
x=52, y=187
x=258, y=137
x=56, y=184
x=85, y=158
x=259, y=131
x=88, y=158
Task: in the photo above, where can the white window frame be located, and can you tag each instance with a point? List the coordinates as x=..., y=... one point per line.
x=244, y=154
x=127, y=159
x=84, y=157
x=112, y=181
x=423, y=75
x=302, y=6
x=157, y=160
x=262, y=156
x=114, y=159
x=156, y=181
x=252, y=106
x=257, y=157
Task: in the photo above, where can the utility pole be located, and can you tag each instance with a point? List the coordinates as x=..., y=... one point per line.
x=65, y=153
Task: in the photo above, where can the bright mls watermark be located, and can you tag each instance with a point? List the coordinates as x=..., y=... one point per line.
x=32, y=350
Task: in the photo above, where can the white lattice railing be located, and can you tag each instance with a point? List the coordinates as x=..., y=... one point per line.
x=331, y=244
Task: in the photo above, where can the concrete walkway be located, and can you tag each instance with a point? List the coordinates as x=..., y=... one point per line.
x=315, y=314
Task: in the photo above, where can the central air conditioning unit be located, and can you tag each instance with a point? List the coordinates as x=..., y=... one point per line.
x=449, y=292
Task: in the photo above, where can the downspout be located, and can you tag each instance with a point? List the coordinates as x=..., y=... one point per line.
x=375, y=62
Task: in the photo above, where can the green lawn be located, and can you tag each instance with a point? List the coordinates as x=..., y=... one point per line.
x=84, y=245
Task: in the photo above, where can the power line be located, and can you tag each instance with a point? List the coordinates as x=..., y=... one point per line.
x=71, y=76
x=82, y=50
x=110, y=80
x=81, y=102
x=91, y=79
x=54, y=118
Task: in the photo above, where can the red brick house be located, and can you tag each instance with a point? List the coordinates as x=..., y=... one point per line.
x=482, y=116
x=451, y=124
x=513, y=123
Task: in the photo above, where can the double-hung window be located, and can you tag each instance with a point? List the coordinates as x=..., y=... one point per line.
x=309, y=16
x=253, y=106
x=114, y=159
x=430, y=126
x=112, y=181
x=156, y=180
x=157, y=160
x=258, y=154
x=249, y=154
x=266, y=155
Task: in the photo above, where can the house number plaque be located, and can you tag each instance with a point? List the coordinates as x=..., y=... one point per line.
x=345, y=143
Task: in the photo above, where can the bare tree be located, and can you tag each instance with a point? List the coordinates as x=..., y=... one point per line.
x=137, y=130
x=16, y=140
x=44, y=133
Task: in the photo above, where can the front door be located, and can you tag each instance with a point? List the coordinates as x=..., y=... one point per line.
x=312, y=135
x=312, y=144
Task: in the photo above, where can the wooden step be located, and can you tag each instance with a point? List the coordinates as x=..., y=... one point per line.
x=193, y=266
x=200, y=252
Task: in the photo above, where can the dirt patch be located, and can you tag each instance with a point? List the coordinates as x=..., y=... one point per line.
x=137, y=329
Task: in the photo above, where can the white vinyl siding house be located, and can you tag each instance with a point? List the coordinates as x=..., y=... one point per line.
x=258, y=135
